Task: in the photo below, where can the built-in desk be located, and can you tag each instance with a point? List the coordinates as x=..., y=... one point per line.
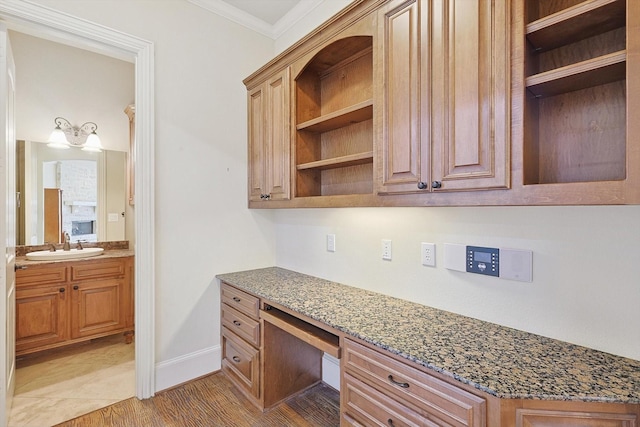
x=478, y=373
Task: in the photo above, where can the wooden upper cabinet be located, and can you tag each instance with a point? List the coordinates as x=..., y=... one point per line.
x=444, y=91
x=470, y=94
x=269, y=139
x=402, y=160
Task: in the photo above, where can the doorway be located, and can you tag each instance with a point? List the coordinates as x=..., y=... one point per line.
x=53, y=25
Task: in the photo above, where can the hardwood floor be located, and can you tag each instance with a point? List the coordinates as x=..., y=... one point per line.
x=214, y=401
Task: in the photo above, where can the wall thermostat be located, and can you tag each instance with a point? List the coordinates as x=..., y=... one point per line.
x=481, y=260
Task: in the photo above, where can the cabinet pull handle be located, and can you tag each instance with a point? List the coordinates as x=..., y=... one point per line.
x=390, y=422
x=76, y=287
x=422, y=185
x=236, y=359
x=17, y=267
x=235, y=322
x=236, y=299
x=399, y=384
x=436, y=184
x=61, y=289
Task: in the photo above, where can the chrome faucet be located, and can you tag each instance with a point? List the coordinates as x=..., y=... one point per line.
x=66, y=246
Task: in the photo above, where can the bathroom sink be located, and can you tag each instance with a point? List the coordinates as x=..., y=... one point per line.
x=60, y=254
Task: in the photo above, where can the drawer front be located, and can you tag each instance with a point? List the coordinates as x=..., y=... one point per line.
x=241, y=325
x=365, y=405
x=241, y=301
x=41, y=275
x=97, y=270
x=241, y=362
x=431, y=397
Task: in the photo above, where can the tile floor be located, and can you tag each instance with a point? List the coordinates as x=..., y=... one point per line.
x=66, y=383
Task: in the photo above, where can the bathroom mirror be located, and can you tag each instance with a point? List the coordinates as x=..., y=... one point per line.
x=69, y=191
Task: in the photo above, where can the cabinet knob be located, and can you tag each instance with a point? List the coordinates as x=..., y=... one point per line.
x=236, y=359
x=76, y=287
x=61, y=289
x=436, y=184
x=422, y=185
x=390, y=423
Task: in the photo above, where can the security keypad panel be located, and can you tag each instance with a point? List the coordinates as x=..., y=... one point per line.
x=482, y=260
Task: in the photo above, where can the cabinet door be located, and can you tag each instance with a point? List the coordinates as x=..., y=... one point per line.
x=269, y=139
x=470, y=94
x=403, y=155
x=277, y=169
x=41, y=314
x=97, y=307
x=257, y=145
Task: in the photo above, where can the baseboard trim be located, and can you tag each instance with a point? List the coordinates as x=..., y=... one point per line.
x=171, y=373
x=331, y=371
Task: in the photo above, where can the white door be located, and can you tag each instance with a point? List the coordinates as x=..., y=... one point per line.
x=7, y=225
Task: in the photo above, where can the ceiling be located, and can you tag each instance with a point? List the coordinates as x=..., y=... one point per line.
x=268, y=17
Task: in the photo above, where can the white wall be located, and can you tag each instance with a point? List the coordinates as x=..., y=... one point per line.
x=585, y=267
x=55, y=80
x=203, y=226
x=586, y=286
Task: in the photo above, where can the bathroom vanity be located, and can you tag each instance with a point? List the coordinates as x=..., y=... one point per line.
x=404, y=363
x=61, y=302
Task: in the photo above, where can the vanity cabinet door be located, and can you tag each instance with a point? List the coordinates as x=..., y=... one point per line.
x=41, y=316
x=98, y=307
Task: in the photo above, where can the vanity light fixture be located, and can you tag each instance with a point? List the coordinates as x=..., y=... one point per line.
x=65, y=135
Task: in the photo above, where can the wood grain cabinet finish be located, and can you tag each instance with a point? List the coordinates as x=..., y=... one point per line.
x=423, y=102
x=240, y=335
x=64, y=303
x=443, y=88
x=426, y=395
x=269, y=139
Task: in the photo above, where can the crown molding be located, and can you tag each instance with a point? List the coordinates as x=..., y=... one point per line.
x=245, y=19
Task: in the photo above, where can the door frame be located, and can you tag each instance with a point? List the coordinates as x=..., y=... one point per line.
x=48, y=23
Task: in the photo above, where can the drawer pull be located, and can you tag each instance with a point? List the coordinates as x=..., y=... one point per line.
x=390, y=423
x=236, y=299
x=235, y=322
x=236, y=359
x=399, y=384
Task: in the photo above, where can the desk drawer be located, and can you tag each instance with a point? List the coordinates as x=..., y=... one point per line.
x=241, y=301
x=241, y=362
x=367, y=406
x=241, y=325
x=426, y=394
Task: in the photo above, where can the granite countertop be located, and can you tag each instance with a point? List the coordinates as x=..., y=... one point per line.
x=501, y=361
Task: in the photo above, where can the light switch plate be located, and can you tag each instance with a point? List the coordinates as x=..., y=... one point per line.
x=113, y=217
x=455, y=257
x=516, y=264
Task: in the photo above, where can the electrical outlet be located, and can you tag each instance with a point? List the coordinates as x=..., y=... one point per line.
x=386, y=249
x=428, y=254
x=331, y=242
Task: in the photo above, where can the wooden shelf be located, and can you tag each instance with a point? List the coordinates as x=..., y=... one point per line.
x=579, y=22
x=319, y=338
x=593, y=72
x=344, y=117
x=339, y=162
